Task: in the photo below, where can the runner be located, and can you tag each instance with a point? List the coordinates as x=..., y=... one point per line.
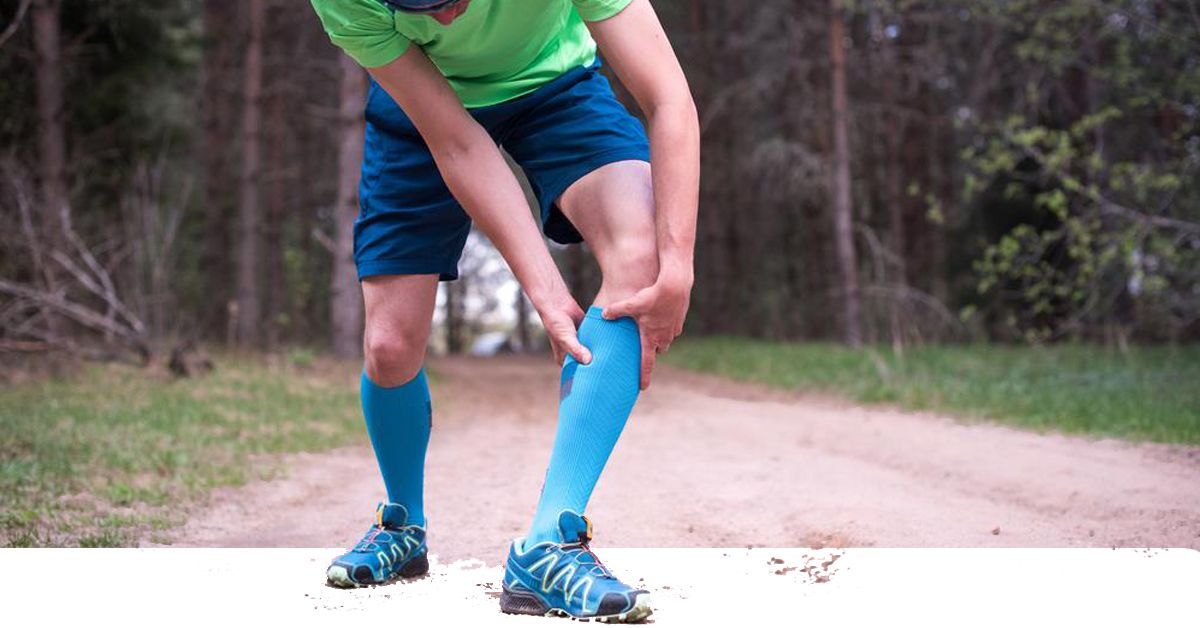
x=451, y=79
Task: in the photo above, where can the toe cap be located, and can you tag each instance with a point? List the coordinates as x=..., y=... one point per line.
x=613, y=603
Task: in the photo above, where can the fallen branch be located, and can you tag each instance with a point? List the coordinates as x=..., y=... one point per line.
x=80, y=314
x=106, y=291
x=28, y=346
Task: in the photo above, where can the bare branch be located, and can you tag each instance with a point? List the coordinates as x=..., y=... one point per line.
x=908, y=293
x=27, y=346
x=21, y=196
x=78, y=313
x=1109, y=206
x=324, y=240
x=12, y=27
x=105, y=291
x=11, y=311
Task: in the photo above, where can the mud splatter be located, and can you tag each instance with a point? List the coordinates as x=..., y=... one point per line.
x=814, y=570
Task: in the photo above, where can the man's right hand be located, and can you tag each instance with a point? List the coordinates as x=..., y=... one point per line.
x=561, y=320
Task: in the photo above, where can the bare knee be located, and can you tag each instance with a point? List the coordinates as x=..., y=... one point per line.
x=394, y=355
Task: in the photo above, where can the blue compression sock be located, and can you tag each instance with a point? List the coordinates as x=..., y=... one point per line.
x=595, y=400
x=398, y=422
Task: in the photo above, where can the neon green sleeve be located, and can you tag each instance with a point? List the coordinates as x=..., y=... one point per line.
x=597, y=10
x=365, y=29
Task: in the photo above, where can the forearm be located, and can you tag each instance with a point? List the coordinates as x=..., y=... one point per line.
x=675, y=155
x=483, y=183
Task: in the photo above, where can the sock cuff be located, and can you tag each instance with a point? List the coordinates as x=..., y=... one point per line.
x=595, y=312
x=417, y=380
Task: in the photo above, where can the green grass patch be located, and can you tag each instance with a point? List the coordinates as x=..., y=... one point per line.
x=106, y=455
x=1150, y=394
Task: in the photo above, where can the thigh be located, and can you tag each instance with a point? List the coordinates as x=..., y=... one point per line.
x=613, y=208
x=574, y=130
x=400, y=303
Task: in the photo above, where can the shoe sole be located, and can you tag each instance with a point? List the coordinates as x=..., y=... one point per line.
x=528, y=604
x=338, y=577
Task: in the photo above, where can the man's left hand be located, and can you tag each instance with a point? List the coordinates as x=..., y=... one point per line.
x=659, y=311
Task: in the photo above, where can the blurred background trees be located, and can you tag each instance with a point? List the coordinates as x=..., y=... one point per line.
x=178, y=173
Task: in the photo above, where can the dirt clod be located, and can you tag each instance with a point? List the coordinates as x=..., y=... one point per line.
x=814, y=570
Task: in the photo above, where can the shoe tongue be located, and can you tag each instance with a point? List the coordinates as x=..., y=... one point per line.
x=574, y=527
x=391, y=515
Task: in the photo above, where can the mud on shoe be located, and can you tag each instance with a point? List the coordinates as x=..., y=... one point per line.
x=566, y=579
x=389, y=550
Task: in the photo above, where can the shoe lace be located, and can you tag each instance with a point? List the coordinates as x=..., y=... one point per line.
x=576, y=552
x=368, y=544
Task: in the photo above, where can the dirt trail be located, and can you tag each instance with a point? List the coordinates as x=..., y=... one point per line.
x=707, y=463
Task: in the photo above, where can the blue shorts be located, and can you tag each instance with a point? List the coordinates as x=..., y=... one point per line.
x=410, y=224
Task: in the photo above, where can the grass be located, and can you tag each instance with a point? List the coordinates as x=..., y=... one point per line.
x=113, y=454
x=1152, y=394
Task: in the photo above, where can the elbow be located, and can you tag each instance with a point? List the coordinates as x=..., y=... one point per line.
x=454, y=149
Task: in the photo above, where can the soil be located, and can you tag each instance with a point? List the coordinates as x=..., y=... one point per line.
x=709, y=463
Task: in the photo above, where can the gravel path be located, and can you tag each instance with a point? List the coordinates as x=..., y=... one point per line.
x=707, y=463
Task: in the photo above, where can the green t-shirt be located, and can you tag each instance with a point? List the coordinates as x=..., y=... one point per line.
x=496, y=51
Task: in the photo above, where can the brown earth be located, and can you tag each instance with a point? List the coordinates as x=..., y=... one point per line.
x=705, y=462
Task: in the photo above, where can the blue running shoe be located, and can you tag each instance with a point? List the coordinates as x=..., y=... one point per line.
x=568, y=580
x=391, y=549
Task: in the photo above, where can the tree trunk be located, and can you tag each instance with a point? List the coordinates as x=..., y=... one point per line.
x=576, y=267
x=522, y=308
x=455, y=296
x=942, y=159
x=275, y=283
x=51, y=143
x=895, y=132
x=248, y=284
x=843, y=218
x=345, y=297
x=217, y=113
x=52, y=150
x=895, y=204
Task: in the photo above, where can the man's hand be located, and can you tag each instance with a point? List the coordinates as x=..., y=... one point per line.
x=659, y=311
x=561, y=320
